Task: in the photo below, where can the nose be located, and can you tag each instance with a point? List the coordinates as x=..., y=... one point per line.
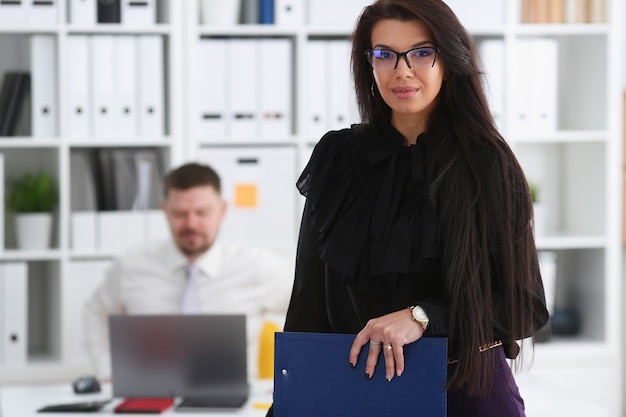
x=403, y=66
x=191, y=220
x=403, y=56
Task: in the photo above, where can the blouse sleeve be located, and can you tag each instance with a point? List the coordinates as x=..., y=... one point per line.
x=307, y=308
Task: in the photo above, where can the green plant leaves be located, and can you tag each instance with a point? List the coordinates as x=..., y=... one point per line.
x=32, y=193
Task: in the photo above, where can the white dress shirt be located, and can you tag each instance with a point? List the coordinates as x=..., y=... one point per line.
x=151, y=280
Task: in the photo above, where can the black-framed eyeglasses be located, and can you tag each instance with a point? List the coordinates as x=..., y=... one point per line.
x=387, y=59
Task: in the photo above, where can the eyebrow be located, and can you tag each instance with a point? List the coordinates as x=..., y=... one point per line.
x=415, y=45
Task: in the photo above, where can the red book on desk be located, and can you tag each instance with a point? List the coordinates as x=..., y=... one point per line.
x=144, y=405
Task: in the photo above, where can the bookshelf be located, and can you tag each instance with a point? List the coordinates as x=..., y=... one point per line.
x=52, y=332
x=576, y=161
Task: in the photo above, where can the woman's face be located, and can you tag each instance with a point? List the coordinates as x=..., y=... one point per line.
x=410, y=92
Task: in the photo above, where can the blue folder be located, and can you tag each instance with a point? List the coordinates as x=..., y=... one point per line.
x=313, y=377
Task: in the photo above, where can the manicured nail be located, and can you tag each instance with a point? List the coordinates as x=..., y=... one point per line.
x=388, y=377
x=367, y=376
x=399, y=373
x=352, y=365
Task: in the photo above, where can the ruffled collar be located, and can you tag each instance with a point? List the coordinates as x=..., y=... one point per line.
x=369, y=199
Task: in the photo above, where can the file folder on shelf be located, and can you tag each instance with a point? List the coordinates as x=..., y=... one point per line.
x=335, y=13
x=138, y=13
x=545, y=81
x=41, y=12
x=13, y=99
x=341, y=99
x=151, y=87
x=317, y=113
x=83, y=192
x=79, y=111
x=210, y=82
x=275, y=88
x=13, y=13
x=535, y=106
x=313, y=377
x=109, y=11
x=492, y=57
x=288, y=13
x=124, y=70
x=44, y=82
x=14, y=282
x=102, y=55
x=242, y=57
x=250, y=12
x=83, y=12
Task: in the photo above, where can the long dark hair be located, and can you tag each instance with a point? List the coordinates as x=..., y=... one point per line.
x=479, y=191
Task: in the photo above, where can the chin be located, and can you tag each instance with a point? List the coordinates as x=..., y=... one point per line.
x=193, y=249
x=193, y=252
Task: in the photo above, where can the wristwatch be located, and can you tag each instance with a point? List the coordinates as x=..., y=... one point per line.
x=419, y=315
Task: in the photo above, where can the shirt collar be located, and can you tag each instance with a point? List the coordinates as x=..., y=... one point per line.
x=207, y=263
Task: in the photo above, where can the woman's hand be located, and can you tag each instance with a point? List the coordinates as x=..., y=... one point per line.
x=388, y=333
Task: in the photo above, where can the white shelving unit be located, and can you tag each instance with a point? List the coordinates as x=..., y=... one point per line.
x=577, y=166
x=52, y=301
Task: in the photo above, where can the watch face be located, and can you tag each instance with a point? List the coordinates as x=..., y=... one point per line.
x=419, y=314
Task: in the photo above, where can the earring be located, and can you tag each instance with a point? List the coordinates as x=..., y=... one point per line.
x=373, y=92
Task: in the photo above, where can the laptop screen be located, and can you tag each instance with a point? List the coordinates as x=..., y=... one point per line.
x=178, y=355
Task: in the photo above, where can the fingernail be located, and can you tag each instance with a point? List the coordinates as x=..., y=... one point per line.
x=367, y=376
x=352, y=365
x=388, y=377
x=399, y=373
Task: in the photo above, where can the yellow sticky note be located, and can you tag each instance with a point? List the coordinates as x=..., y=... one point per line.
x=246, y=196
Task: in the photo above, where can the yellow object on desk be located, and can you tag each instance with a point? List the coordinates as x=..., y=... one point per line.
x=266, y=350
x=261, y=406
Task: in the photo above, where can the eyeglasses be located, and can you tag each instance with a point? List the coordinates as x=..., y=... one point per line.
x=387, y=59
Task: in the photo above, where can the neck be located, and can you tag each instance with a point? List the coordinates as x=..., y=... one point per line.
x=409, y=126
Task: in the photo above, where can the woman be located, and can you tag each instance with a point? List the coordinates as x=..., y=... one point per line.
x=418, y=222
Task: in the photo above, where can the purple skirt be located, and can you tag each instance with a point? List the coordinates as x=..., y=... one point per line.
x=503, y=401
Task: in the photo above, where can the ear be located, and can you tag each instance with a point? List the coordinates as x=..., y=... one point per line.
x=224, y=207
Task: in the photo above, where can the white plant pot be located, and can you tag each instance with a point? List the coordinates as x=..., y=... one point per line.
x=220, y=12
x=33, y=230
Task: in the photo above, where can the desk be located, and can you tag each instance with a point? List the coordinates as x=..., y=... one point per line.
x=542, y=400
x=25, y=400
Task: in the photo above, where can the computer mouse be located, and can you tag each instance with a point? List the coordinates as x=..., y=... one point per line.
x=86, y=384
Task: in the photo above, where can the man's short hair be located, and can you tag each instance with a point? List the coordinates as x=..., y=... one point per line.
x=191, y=175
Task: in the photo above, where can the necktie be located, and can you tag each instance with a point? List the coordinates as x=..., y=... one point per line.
x=190, y=298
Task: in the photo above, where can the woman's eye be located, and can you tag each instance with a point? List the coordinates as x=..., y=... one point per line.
x=383, y=54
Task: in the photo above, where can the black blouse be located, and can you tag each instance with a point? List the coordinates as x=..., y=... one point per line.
x=368, y=241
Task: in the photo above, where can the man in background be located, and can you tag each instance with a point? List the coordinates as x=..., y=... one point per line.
x=194, y=272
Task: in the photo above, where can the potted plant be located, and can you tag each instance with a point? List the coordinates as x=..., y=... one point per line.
x=32, y=198
x=538, y=208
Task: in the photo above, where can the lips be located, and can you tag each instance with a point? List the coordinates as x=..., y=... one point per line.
x=404, y=91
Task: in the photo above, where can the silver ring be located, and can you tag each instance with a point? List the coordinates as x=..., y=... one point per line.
x=375, y=345
x=388, y=347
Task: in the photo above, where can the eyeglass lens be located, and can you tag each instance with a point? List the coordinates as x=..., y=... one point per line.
x=387, y=59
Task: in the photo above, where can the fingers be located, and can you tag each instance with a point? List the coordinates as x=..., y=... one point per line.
x=372, y=359
x=389, y=361
x=387, y=334
x=398, y=356
x=360, y=340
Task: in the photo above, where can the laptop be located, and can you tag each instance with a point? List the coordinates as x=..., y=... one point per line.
x=201, y=358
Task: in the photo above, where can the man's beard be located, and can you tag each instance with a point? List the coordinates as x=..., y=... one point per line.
x=193, y=251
